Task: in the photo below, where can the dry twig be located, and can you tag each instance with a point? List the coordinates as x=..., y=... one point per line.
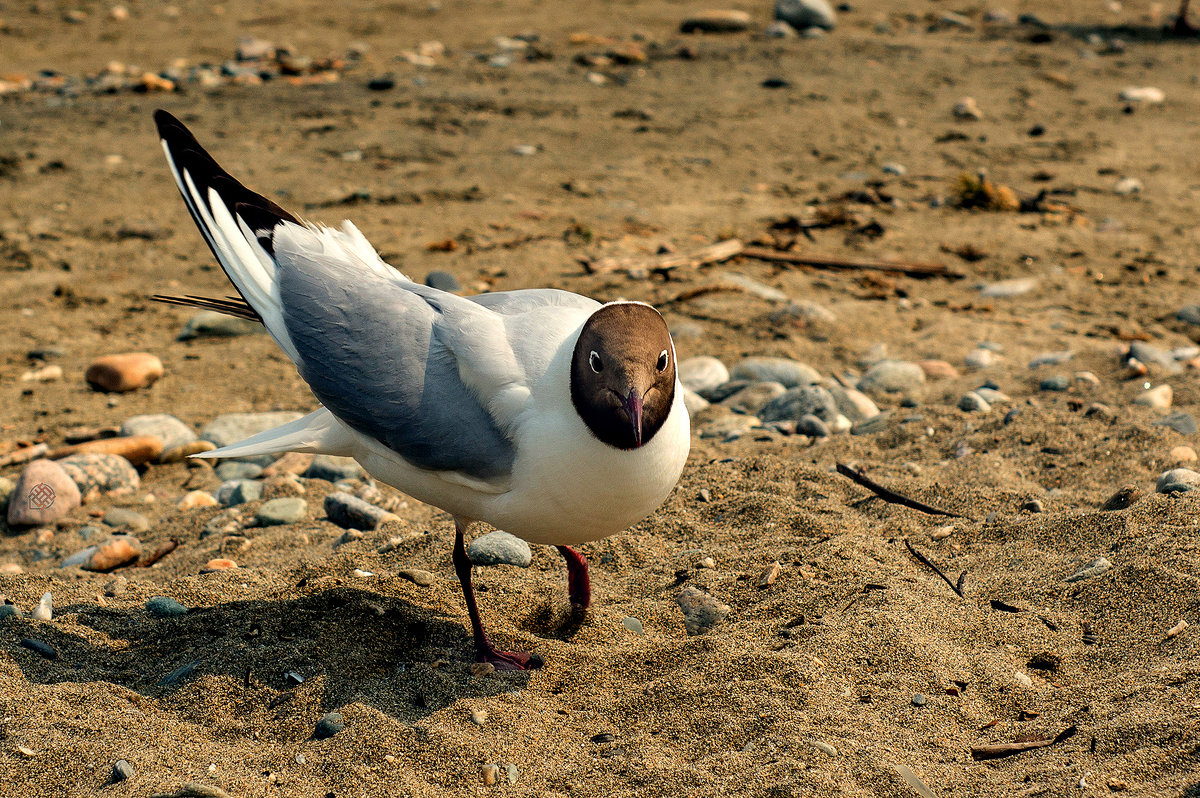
x=891, y=495
x=909, y=268
x=997, y=750
x=713, y=253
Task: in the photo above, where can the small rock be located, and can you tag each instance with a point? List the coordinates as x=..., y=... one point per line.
x=1051, y=358
x=852, y=403
x=796, y=403
x=769, y=575
x=1096, y=567
x=330, y=724
x=44, y=374
x=967, y=109
x=239, y=491
x=44, y=611
x=211, y=324
x=919, y=700
x=121, y=771
x=334, y=469
x=41, y=649
x=233, y=427
x=116, y=587
x=788, y=373
x=972, y=402
x=804, y=14
x=870, y=426
x=43, y=494
x=490, y=774
x=125, y=518
x=1054, y=383
x=417, y=576
x=1182, y=454
x=232, y=470
x=123, y=373
x=291, y=463
x=351, y=512
x=1177, y=480
x=824, y=747
x=812, y=426
x=219, y=564
x=802, y=313
x=500, y=548
x=164, y=607
x=716, y=22
x=195, y=500
x=1181, y=422
x=1147, y=95
x=513, y=774
x=753, y=398
x=893, y=168
x=278, y=512
x=1086, y=379
x=1005, y=289
x=443, y=281
x=1189, y=314
x=937, y=369
x=1033, y=506
x=252, y=48
x=1127, y=185
x=1178, y=628
x=701, y=612
x=170, y=430
x=633, y=625
x=177, y=675
x=780, y=30
x=479, y=716
x=693, y=401
x=891, y=377
x=101, y=475
x=9, y=611
x=1158, y=397
x=702, y=373
x=980, y=358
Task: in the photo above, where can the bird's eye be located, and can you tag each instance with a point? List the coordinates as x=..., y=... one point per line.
x=595, y=363
x=663, y=357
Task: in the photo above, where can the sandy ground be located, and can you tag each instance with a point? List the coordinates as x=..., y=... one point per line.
x=807, y=687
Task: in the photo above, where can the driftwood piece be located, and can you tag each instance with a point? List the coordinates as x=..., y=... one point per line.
x=24, y=455
x=997, y=750
x=957, y=587
x=909, y=268
x=890, y=495
x=137, y=449
x=713, y=253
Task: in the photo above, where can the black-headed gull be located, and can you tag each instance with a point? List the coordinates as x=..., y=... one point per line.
x=540, y=412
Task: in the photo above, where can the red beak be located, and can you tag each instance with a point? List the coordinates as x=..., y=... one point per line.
x=633, y=408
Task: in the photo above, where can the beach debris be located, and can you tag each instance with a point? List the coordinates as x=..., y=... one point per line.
x=905, y=267
x=1174, y=631
x=911, y=780
x=701, y=611
x=997, y=750
x=330, y=724
x=891, y=496
x=957, y=586
x=662, y=264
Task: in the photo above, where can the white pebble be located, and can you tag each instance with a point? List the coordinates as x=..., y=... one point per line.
x=44, y=611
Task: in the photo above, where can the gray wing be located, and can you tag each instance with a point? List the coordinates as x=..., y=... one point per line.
x=378, y=353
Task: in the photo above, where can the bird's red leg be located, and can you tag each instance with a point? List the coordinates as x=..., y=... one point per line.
x=484, y=650
x=579, y=585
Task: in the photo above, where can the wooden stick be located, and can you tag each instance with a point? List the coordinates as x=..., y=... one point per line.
x=910, y=268
x=24, y=455
x=713, y=253
x=890, y=495
x=997, y=750
x=957, y=587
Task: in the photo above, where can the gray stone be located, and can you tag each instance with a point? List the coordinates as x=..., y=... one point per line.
x=1177, y=480
x=1051, y=358
x=1056, y=382
x=992, y=396
x=10, y=611
x=101, y=475
x=443, y=281
x=980, y=358
x=1181, y=422
x=121, y=771
x=1096, y=567
x=919, y=700
x=891, y=377
x=1153, y=356
x=799, y=402
x=869, y=426
x=972, y=402
x=123, y=517
x=44, y=494
x=238, y=491
x=633, y=625
x=1190, y=314
x=170, y=430
x=417, y=576
x=749, y=285
x=211, y=324
x=233, y=427
x=334, y=469
x=278, y=512
x=164, y=607
x=351, y=512
x=701, y=612
x=780, y=30
x=702, y=373
x=812, y=426
x=803, y=14
x=232, y=470
x=330, y=724
x=802, y=312
x=724, y=391
x=852, y=403
x=79, y=558
x=693, y=401
x=499, y=548
x=754, y=397
x=788, y=373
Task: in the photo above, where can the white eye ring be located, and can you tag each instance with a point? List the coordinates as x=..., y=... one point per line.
x=663, y=359
x=594, y=362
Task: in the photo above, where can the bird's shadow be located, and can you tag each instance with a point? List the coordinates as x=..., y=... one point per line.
x=348, y=644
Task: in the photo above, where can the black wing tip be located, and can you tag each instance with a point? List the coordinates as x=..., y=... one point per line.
x=230, y=306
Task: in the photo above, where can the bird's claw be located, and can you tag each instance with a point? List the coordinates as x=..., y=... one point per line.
x=511, y=660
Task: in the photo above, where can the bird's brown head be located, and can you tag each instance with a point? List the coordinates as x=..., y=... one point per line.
x=623, y=374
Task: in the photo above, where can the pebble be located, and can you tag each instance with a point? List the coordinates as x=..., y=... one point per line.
x=164, y=607
x=291, y=463
x=330, y=724
x=500, y=548
x=893, y=168
x=211, y=324
x=701, y=612
x=992, y=396
x=1182, y=454
x=123, y=517
x=1181, y=422
x=10, y=611
x=121, y=771
x=1033, y=506
x=479, y=716
x=44, y=611
x=1154, y=356
x=702, y=373
x=891, y=377
x=196, y=500
x=788, y=373
x=417, y=576
x=44, y=374
x=717, y=21
x=513, y=774
x=179, y=674
x=852, y=403
x=1158, y=397
x=43, y=494
x=937, y=369
x=1086, y=379
x=1096, y=567
x=919, y=700
x=443, y=281
x=802, y=312
x=116, y=587
x=1189, y=314
x=334, y=469
x=813, y=427
x=795, y=404
x=218, y=564
x=278, y=512
x=1051, y=358
x=780, y=30
x=1177, y=480
x=351, y=512
x=233, y=427
x=123, y=373
x=824, y=747
x=871, y=425
x=239, y=491
x=38, y=647
x=804, y=14
x=633, y=625
x=1149, y=95
x=1004, y=289
x=980, y=358
x=1126, y=186
x=769, y=575
x=231, y=470
x=1055, y=383
x=967, y=109
x=169, y=429
x=490, y=774
x=972, y=402
x=754, y=397
x=693, y=401
x=101, y=475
